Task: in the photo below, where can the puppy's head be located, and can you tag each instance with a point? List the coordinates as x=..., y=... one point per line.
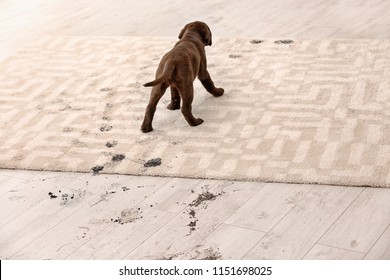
x=201, y=28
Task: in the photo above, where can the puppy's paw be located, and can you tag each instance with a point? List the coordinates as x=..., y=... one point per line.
x=173, y=106
x=197, y=122
x=218, y=92
x=146, y=128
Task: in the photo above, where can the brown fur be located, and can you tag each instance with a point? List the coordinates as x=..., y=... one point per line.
x=178, y=69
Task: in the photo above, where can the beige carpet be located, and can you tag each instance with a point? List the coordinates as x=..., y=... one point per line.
x=303, y=111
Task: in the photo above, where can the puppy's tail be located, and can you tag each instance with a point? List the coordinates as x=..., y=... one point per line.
x=165, y=76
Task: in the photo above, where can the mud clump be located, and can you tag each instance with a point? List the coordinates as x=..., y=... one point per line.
x=153, y=162
x=118, y=157
x=255, y=41
x=192, y=225
x=96, y=169
x=111, y=144
x=284, y=42
x=52, y=195
x=105, y=128
x=192, y=213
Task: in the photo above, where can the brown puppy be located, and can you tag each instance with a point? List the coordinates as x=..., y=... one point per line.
x=178, y=69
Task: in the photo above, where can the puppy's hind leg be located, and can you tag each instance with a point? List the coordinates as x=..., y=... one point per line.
x=155, y=96
x=175, y=99
x=187, y=94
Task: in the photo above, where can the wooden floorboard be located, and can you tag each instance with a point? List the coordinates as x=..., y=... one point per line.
x=226, y=242
x=38, y=220
x=362, y=224
x=12, y=179
x=24, y=196
x=381, y=248
x=322, y=252
x=304, y=225
x=268, y=206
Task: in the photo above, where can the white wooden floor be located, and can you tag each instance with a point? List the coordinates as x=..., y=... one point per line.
x=49, y=215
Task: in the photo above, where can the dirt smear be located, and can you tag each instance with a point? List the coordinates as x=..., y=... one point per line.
x=171, y=257
x=202, y=198
x=128, y=216
x=104, y=197
x=211, y=254
x=67, y=197
x=205, y=196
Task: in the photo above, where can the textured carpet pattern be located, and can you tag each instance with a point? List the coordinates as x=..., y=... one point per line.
x=303, y=112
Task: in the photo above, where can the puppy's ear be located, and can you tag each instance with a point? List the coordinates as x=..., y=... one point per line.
x=207, y=37
x=183, y=31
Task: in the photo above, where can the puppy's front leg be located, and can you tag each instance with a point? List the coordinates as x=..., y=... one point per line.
x=208, y=84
